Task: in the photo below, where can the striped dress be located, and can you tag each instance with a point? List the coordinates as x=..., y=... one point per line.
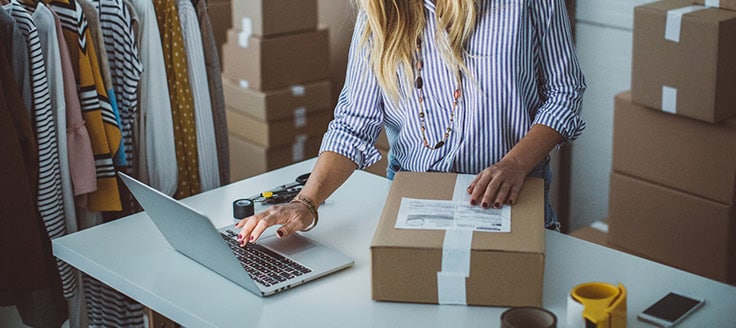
x=100, y=119
x=49, y=200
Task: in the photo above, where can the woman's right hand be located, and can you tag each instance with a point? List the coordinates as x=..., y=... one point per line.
x=292, y=216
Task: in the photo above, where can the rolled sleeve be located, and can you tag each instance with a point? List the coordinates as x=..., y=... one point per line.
x=562, y=81
x=358, y=116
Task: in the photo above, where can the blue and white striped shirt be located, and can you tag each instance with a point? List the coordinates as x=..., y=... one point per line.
x=522, y=58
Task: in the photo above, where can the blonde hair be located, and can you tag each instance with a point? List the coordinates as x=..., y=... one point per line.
x=393, y=27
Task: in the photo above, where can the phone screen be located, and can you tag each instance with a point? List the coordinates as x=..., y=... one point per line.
x=672, y=307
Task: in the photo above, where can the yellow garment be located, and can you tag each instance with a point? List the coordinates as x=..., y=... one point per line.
x=99, y=118
x=180, y=94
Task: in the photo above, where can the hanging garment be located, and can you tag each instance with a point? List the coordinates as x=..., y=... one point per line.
x=157, y=159
x=29, y=277
x=81, y=158
x=217, y=97
x=50, y=201
x=180, y=94
x=93, y=23
x=206, y=144
x=125, y=66
x=46, y=24
x=16, y=51
x=100, y=119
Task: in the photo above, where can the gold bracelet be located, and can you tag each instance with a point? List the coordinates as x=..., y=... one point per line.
x=310, y=206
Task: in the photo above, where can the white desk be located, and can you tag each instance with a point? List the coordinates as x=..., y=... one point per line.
x=131, y=256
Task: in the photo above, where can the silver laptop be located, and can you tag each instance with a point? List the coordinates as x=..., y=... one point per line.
x=265, y=268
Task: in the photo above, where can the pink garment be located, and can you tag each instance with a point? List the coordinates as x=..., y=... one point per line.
x=81, y=159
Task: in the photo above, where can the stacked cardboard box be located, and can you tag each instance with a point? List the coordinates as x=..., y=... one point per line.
x=673, y=184
x=382, y=145
x=275, y=80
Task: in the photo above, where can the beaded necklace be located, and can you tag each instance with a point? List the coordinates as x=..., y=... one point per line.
x=419, y=84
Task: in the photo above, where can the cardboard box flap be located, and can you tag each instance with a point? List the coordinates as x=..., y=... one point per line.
x=527, y=216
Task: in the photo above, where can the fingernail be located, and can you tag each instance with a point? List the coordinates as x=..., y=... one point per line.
x=240, y=236
x=484, y=205
x=473, y=202
x=242, y=243
x=511, y=202
x=252, y=238
x=280, y=233
x=497, y=205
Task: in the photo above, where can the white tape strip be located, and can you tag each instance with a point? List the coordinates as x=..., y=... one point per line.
x=674, y=21
x=297, y=90
x=455, y=266
x=300, y=117
x=574, y=313
x=245, y=32
x=244, y=84
x=600, y=226
x=669, y=99
x=455, y=253
x=297, y=149
x=713, y=3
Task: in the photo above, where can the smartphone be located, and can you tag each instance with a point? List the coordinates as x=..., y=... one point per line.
x=670, y=309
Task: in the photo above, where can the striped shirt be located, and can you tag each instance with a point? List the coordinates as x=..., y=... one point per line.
x=49, y=198
x=522, y=59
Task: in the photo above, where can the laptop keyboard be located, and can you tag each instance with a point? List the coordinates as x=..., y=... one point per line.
x=262, y=264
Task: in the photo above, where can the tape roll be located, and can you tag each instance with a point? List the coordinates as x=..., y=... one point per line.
x=597, y=304
x=243, y=208
x=528, y=317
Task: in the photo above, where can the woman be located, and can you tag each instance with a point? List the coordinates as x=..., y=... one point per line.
x=486, y=87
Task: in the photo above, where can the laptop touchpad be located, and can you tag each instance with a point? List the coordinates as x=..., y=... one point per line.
x=288, y=246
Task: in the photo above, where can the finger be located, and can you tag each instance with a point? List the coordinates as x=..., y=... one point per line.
x=513, y=194
x=502, y=194
x=258, y=230
x=300, y=219
x=473, y=183
x=247, y=228
x=491, y=191
x=480, y=187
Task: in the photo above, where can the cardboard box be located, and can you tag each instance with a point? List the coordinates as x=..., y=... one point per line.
x=277, y=62
x=380, y=167
x=273, y=17
x=677, y=152
x=506, y=269
x=725, y=4
x=248, y=159
x=382, y=141
x=596, y=233
x=693, y=77
x=279, y=104
x=221, y=20
x=277, y=133
x=673, y=227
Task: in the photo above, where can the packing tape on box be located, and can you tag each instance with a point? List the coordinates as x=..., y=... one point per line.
x=297, y=90
x=455, y=254
x=297, y=149
x=673, y=24
x=597, y=304
x=455, y=266
x=300, y=117
x=245, y=33
x=712, y=3
x=669, y=99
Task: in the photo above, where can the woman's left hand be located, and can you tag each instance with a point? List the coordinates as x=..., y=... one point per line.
x=498, y=184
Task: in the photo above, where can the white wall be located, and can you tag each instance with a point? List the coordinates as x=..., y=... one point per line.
x=603, y=34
